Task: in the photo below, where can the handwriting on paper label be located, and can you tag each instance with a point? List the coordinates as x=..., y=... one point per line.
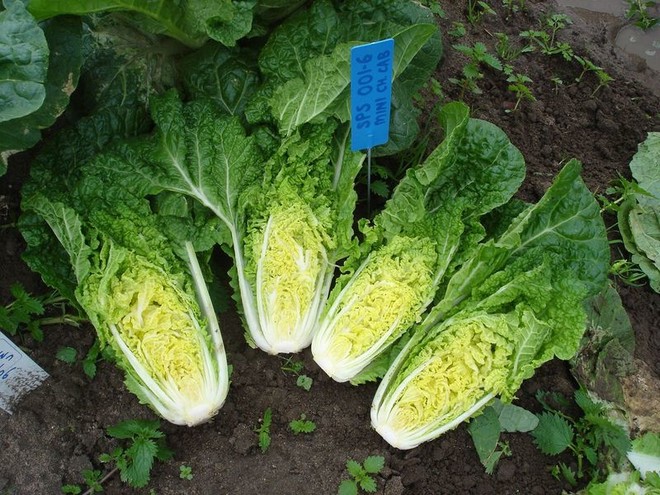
x=371, y=93
x=18, y=374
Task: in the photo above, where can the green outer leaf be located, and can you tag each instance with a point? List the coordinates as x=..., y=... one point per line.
x=227, y=76
x=192, y=23
x=515, y=418
x=485, y=432
x=68, y=227
x=627, y=209
x=606, y=351
x=325, y=78
x=239, y=24
x=64, y=37
x=23, y=62
x=274, y=10
x=304, y=35
x=645, y=228
x=566, y=220
x=645, y=170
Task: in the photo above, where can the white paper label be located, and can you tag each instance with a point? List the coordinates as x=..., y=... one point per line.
x=18, y=374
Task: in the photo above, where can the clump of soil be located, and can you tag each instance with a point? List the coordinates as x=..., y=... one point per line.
x=58, y=430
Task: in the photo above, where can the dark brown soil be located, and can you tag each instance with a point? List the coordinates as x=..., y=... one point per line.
x=58, y=430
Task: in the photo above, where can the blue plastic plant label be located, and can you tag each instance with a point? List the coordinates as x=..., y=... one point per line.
x=18, y=374
x=371, y=93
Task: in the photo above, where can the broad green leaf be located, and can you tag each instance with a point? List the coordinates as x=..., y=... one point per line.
x=374, y=463
x=325, y=78
x=639, y=213
x=68, y=227
x=553, y=434
x=485, y=431
x=141, y=454
x=227, y=76
x=515, y=418
x=229, y=28
x=566, y=218
x=67, y=354
x=23, y=62
x=354, y=468
x=64, y=38
x=192, y=23
x=347, y=487
x=644, y=168
x=645, y=228
x=300, y=100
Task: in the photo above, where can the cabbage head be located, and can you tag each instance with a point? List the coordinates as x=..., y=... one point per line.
x=291, y=255
x=159, y=337
x=430, y=223
x=129, y=263
x=516, y=303
x=380, y=301
x=299, y=224
x=448, y=379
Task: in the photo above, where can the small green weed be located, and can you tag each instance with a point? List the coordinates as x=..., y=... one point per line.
x=628, y=272
x=593, y=438
x=476, y=9
x=361, y=475
x=638, y=12
x=264, y=430
x=457, y=30
x=513, y=6
x=518, y=86
x=69, y=355
x=305, y=382
x=27, y=313
x=507, y=51
x=290, y=365
x=144, y=444
x=92, y=480
x=588, y=66
x=185, y=472
x=296, y=368
x=302, y=425
x=435, y=7
x=547, y=40
x=558, y=82
x=479, y=57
